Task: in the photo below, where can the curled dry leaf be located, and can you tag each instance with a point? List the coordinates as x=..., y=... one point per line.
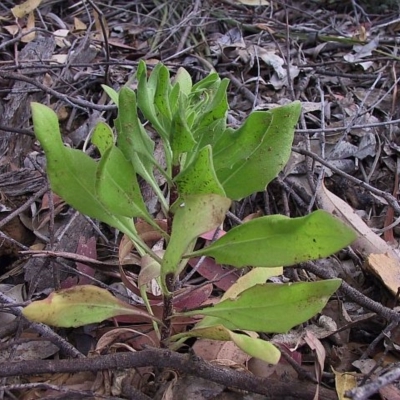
x=193, y=297
x=222, y=277
x=225, y=352
x=315, y=344
x=381, y=259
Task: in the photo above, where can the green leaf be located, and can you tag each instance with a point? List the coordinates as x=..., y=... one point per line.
x=235, y=146
x=116, y=182
x=161, y=96
x=255, y=347
x=72, y=173
x=199, y=177
x=278, y=240
x=216, y=108
x=181, y=138
x=111, y=93
x=132, y=137
x=194, y=215
x=271, y=308
x=247, y=160
x=102, y=137
x=206, y=83
x=183, y=78
x=78, y=306
x=174, y=96
x=146, y=92
x=252, y=278
x=210, y=134
x=134, y=141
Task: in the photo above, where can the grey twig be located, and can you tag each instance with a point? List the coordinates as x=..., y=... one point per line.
x=183, y=363
x=366, y=391
x=387, y=196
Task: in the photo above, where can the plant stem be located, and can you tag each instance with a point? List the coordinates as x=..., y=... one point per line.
x=169, y=283
x=167, y=310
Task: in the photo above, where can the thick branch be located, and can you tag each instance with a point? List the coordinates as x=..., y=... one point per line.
x=183, y=363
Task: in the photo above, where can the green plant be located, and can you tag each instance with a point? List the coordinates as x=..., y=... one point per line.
x=207, y=166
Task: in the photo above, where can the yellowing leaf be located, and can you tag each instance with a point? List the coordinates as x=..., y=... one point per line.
x=194, y=215
x=344, y=381
x=254, y=277
x=255, y=347
x=25, y=8
x=77, y=306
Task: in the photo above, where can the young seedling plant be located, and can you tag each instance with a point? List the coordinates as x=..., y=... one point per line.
x=208, y=165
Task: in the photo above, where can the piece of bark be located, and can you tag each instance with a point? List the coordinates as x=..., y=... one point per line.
x=21, y=183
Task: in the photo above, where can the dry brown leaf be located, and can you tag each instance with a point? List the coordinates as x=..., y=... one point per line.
x=25, y=8
x=149, y=273
x=212, y=350
x=30, y=24
x=344, y=381
x=148, y=233
x=79, y=25
x=251, y=216
x=315, y=344
x=280, y=371
x=59, y=58
x=99, y=35
x=222, y=277
x=382, y=259
x=193, y=297
x=387, y=269
x=120, y=335
x=60, y=36
x=12, y=29
x=124, y=249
